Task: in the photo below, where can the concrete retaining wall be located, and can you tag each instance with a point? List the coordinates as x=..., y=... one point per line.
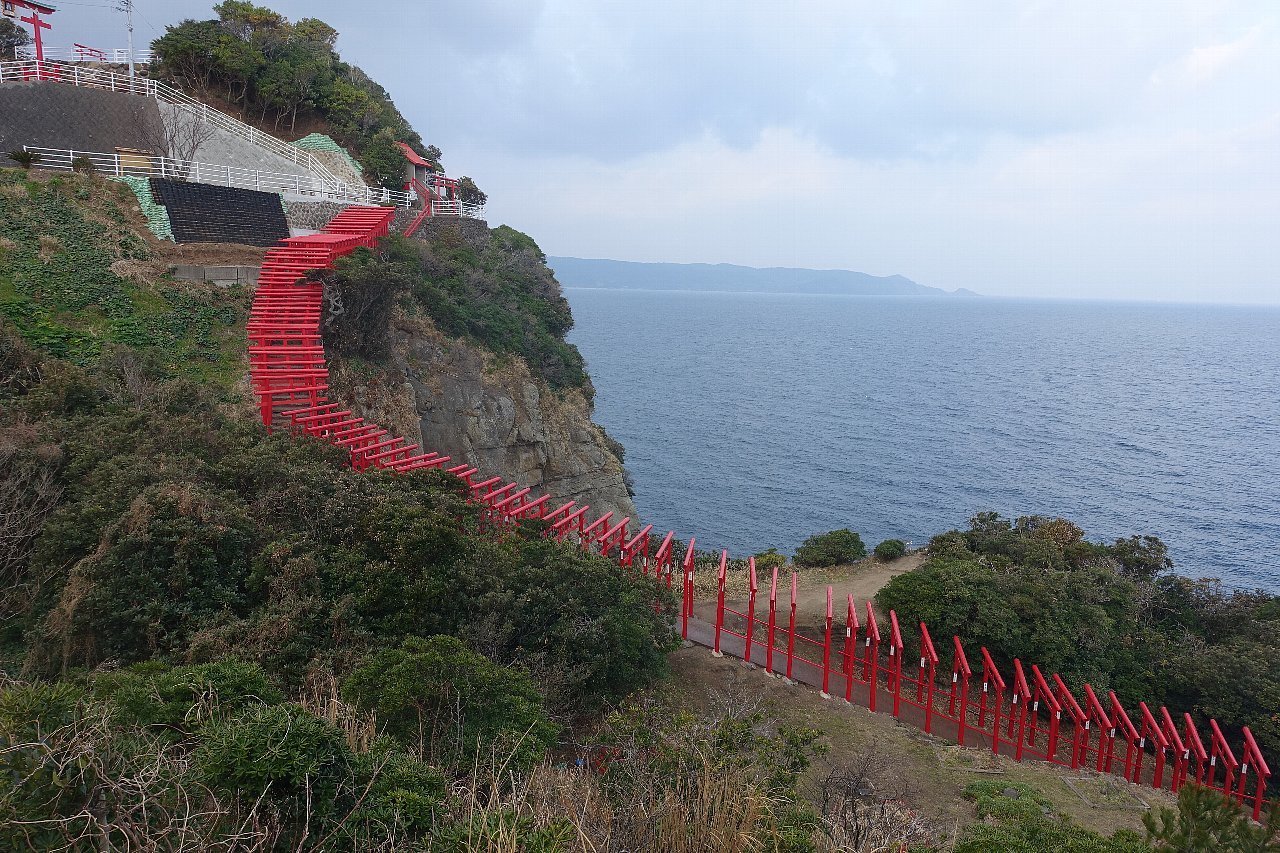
x=55, y=115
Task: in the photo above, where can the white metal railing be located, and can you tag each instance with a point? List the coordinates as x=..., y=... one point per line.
x=120, y=56
x=454, y=207
x=79, y=53
x=212, y=173
x=99, y=78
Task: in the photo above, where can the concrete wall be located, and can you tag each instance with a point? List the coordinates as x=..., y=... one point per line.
x=312, y=215
x=225, y=148
x=55, y=115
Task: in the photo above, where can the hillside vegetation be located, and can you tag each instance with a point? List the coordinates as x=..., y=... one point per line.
x=270, y=68
x=1111, y=615
x=174, y=574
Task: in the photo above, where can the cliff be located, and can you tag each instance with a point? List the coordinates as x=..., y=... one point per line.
x=473, y=366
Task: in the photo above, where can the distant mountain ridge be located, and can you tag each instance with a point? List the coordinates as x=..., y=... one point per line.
x=634, y=275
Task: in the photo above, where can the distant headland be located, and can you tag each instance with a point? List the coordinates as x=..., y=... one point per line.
x=632, y=275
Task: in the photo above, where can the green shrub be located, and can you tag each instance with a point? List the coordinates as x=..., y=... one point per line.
x=770, y=559
x=891, y=549
x=452, y=704
x=280, y=750
x=1016, y=818
x=1205, y=821
x=837, y=548
x=25, y=159
x=183, y=698
x=83, y=165
x=1107, y=615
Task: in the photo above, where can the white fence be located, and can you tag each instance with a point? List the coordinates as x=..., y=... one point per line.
x=100, y=78
x=212, y=173
x=456, y=208
x=79, y=53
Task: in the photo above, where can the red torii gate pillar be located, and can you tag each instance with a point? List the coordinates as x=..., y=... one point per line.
x=36, y=23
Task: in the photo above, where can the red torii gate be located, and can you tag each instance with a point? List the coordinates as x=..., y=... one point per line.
x=34, y=20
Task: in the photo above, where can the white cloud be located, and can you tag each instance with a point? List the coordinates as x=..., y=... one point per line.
x=1082, y=148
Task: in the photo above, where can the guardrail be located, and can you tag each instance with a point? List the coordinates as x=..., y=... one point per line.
x=84, y=53
x=214, y=173
x=100, y=78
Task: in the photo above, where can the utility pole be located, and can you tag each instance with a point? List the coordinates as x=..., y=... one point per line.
x=126, y=6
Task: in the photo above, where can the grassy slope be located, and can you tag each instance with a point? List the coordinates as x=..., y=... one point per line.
x=79, y=275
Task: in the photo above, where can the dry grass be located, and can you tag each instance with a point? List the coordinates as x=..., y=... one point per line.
x=321, y=698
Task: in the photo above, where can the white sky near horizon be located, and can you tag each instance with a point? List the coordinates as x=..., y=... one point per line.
x=1019, y=148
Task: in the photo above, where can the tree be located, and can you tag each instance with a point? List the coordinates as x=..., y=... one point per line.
x=316, y=31
x=246, y=20
x=1206, y=822
x=383, y=162
x=12, y=37
x=469, y=193
x=178, y=135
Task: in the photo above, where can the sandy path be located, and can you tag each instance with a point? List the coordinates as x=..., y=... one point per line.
x=863, y=580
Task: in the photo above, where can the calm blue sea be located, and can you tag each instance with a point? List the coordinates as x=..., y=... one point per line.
x=756, y=420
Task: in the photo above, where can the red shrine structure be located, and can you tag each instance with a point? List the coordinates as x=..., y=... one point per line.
x=438, y=194
x=10, y=9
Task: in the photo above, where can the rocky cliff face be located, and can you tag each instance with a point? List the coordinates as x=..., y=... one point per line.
x=488, y=409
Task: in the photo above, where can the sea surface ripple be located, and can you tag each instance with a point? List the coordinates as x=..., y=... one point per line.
x=756, y=420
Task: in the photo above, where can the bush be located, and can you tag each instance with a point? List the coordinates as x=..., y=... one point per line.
x=453, y=705
x=1018, y=819
x=25, y=159
x=1206, y=821
x=83, y=165
x=837, y=548
x=183, y=698
x=770, y=559
x=282, y=750
x=891, y=549
x=1034, y=589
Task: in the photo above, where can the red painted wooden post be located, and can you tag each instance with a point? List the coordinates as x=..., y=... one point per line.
x=1106, y=733
x=1134, y=741
x=929, y=655
x=724, y=564
x=871, y=657
x=751, y=610
x=991, y=678
x=1160, y=744
x=960, y=674
x=1219, y=748
x=826, y=652
x=896, y=649
x=850, y=645
x=1180, y=752
x=1080, y=732
x=773, y=621
x=791, y=628
x=687, y=609
x=1021, y=697
x=1192, y=738
x=1055, y=711
x=1261, y=772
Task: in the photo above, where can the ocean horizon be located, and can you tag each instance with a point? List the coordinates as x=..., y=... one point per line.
x=754, y=420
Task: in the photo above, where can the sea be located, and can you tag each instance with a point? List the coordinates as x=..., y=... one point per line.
x=755, y=420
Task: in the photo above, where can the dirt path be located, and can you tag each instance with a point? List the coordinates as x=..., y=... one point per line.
x=863, y=579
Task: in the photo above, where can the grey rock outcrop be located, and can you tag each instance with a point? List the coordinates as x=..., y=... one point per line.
x=462, y=401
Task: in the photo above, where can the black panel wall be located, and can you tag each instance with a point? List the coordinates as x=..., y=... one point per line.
x=203, y=213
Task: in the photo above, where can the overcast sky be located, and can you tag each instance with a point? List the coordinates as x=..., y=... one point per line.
x=1028, y=147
